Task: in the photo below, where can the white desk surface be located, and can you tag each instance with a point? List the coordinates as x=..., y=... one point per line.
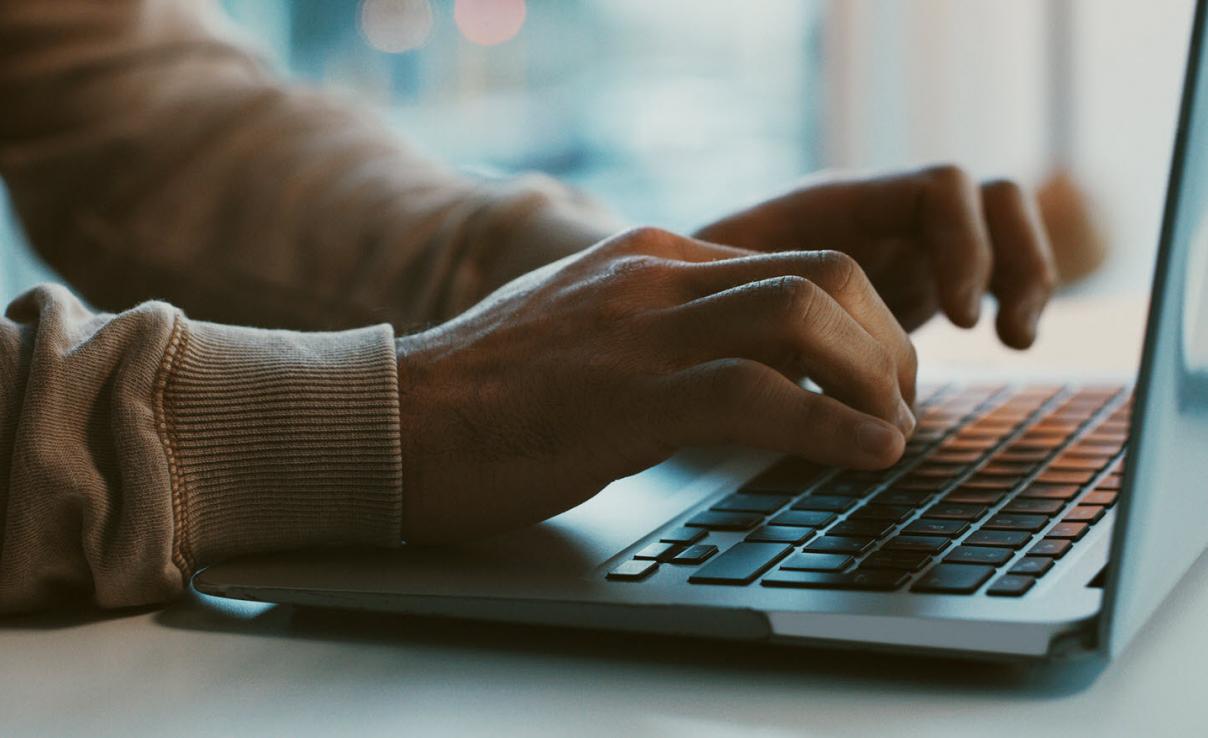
x=209, y=667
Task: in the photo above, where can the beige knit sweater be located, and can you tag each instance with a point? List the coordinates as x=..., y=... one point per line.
x=151, y=157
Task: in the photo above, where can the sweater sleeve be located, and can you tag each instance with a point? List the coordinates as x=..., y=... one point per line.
x=150, y=154
x=135, y=447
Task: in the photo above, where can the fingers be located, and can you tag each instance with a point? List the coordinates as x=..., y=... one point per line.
x=741, y=402
x=974, y=238
x=1024, y=274
x=792, y=324
x=954, y=230
x=845, y=286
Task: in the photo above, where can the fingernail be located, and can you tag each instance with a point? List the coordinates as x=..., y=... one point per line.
x=1029, y=317
x=906, y=420
x=972, y=300
x=875, y=439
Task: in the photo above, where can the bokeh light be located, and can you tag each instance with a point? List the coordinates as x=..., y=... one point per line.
x=489, y=22
x=396, y=26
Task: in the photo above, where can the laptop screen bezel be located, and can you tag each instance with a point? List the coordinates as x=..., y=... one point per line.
x=1115, y=635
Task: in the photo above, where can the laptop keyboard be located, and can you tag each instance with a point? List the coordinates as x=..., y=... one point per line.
x=995, y=486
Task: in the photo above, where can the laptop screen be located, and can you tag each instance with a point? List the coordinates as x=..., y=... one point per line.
x=1163, y=525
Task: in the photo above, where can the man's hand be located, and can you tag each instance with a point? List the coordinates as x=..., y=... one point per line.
x=601, y=364
x=928, y=239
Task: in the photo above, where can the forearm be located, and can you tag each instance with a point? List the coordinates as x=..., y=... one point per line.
x=151, y=156
x=136, y=447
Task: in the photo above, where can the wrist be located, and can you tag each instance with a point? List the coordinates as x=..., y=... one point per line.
x=536, y=221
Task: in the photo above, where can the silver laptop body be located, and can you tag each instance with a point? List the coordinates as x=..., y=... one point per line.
x=557, y=573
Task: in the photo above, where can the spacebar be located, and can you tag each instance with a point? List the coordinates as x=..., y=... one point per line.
x=741, y=564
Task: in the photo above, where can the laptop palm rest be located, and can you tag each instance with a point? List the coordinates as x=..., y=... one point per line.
x=570, y=546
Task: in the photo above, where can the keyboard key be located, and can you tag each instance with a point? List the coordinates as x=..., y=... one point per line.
x=1030, y=523
x=869, y=478
x=979, y=555
x=1041, y=436
x=1073, y=531
x=955, y=457
x=1050, y=492
x=715, y=520
x=633, y=570
x=658, y=551
x=918, y=544
x=1057, y=426
x=1033, y=566
x=1044, y=442
x=1065, y=477
x=929, y=470
x=790, y=475
x=840, y=544
x=984, y=430
x=876, y=580
x=902, y=560
x=1030, y=506
x=1002, y=484
x=1020, y=457
x=743, y=502
x=974, y=496
x=953, y=511
x=1084, y=514
x=928, y=527
x=740, y=564
x=968, y=444
x=953, y=579
x=861, y=528
x=1003, y=469
x=781, y=534
x=817, y=562
x=1011, y=585
x=890, y=513
x=694, y=554
x=1078, y=463
x=1107, y=499
x=1091, y=450
x=921, y=484
x=903, y=497
x=803, y=518
x=682, y=535
x=1002, y=538
x=846, y=487
x=1053, y=547
x=1109, y=483
x=824, y=503
x=1106, y=438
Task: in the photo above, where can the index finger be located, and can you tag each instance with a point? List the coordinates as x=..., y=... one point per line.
x=1024, y=274
x=938, y=208
x=840, y=276
x=953, y=231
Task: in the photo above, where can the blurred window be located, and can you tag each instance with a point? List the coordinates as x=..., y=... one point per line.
x=669, y=111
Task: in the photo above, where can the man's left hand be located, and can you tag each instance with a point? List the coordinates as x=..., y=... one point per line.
x=929, y=240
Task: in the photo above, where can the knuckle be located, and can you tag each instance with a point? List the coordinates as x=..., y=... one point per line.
x=791, y=287
x=645, y=239
x=948, y=176
x=1048, y=278
x=910, y=359
x=734, y=381
x=1006, y=189
x=637, y=266
x=794, y=297
x=836, y=271
x=884, y=370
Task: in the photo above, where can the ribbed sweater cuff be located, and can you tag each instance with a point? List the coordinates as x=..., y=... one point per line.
x=278, y=440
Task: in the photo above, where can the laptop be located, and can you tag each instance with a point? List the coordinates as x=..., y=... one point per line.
x=1023, y=522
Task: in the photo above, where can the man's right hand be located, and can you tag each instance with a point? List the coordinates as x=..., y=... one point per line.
x=604, y=363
